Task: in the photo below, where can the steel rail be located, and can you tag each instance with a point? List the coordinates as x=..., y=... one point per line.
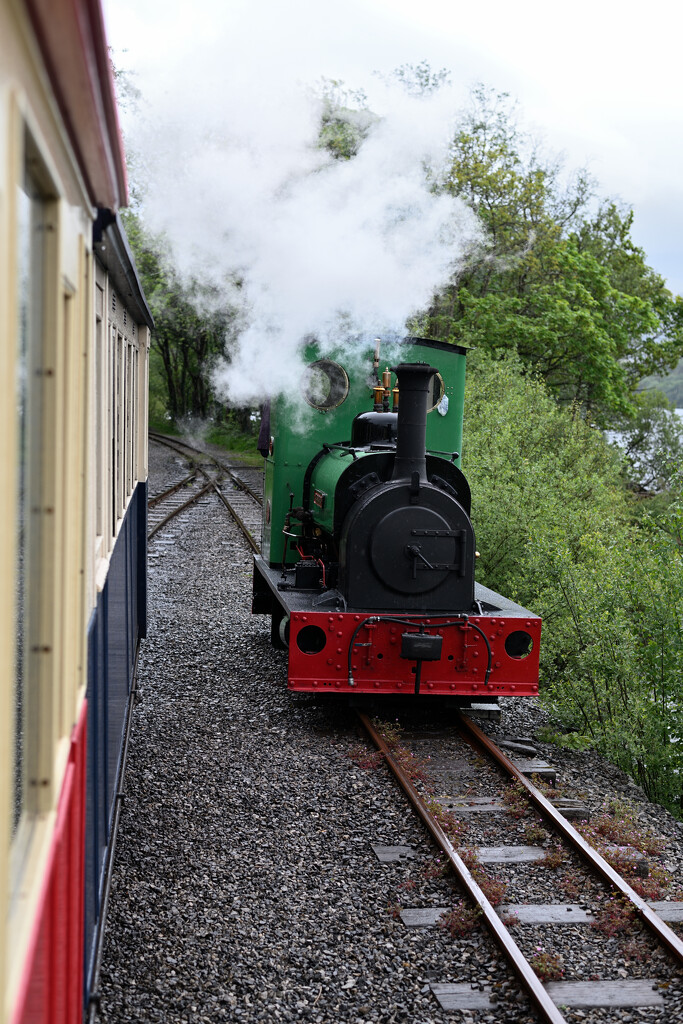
x=153, y=502
x=575, y=839
x=239, y=482
x=240, y=522
x=211, y=484
x=175, y=444
x=181, y=508
x=158, y=435
x=528, y=978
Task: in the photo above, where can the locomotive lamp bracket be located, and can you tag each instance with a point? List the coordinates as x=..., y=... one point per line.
x=421, y=646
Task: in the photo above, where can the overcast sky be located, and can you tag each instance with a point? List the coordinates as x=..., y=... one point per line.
x=598, y=81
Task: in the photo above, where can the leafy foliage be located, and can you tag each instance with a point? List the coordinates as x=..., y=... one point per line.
x=190, y=332
x=529, y=462
x=652, y=442
x=607, y=237
x=671, y=385
x=419, y=79
x=556, y=531
x=569, y=292
x=345, y=119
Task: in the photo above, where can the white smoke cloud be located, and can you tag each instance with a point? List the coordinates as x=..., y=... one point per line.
x=236, y=181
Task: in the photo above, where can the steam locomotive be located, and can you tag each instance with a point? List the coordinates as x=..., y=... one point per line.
x=368, y=550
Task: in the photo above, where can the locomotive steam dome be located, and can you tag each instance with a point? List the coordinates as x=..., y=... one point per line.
x=408, y=543
x=374, y=428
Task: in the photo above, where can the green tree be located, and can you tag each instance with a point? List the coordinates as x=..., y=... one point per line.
x=607, y=237
x=419, y=79
x=569, y=292
x=190, y=329
x=652, y=442
x=345, y=119
x=556, y=531
x=671, y=385
x=535, y=470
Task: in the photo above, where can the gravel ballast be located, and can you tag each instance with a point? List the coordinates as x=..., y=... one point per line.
x=245, y=886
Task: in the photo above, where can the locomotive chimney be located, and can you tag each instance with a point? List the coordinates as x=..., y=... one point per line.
x=413, y=382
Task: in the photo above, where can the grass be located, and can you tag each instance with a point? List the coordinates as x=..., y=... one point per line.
x=242, y=446
x=163, y=426
x=235, y=442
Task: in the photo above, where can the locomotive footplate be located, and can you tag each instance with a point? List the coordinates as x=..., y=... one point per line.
x=493, y=649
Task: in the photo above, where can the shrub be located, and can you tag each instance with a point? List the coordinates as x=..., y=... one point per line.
x=557, y=532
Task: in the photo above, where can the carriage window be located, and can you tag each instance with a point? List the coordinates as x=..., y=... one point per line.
x=29, y=358
x=99, y=424
x=120, y=426
x=111, y=427
x=115, y=427
x=128, y=422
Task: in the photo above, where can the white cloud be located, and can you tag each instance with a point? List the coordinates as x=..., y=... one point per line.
x=601, y=82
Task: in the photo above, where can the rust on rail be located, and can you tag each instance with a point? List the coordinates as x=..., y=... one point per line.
x=529, y=980
x=181, y=508
x=568, y=832
x=242, y=525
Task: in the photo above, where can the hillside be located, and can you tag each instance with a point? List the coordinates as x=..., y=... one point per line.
x=672, y=385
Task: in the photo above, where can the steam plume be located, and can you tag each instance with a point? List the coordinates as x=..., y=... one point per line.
x=302, y=243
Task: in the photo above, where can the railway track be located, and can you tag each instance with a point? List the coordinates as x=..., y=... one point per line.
x=208, y=475
x=552, y=1001
x=239, y=475
x=357, y=954
x=449, y=817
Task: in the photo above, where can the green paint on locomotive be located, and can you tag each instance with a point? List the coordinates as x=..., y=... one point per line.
x=300, y=431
